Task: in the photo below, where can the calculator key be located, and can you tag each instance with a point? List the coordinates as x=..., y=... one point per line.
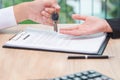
x=94, y=75
x=84, y=77
x=69, y=79
x=110, y=79
x=91, y=76
x=97, y=79
x=77, y=78
x=104, y=77
x=98, y=74
x=85, y=73
x=64, y=78
x=91, y=71
x=78, y=74
x=56, y=79
x=71, y=76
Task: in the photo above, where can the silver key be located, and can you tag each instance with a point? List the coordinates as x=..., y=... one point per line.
x=55, y=17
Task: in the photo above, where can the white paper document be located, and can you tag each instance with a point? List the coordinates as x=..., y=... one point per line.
x=32, y=38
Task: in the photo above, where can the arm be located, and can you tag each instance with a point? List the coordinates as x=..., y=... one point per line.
x=7, y=18
x=115, y=25
x=39, y=11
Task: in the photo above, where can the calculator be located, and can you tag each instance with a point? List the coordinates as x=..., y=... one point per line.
x=84, y=75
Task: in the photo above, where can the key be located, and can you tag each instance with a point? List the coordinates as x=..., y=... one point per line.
x=55, y=17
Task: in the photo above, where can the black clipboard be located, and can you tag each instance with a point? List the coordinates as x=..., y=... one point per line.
x=100, y=51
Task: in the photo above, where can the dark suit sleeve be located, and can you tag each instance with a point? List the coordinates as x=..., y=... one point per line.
x=115, y=25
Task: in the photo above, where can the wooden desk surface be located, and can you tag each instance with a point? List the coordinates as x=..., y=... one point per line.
x=17, y=64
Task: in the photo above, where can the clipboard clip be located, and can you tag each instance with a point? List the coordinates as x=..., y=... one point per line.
x=18, y=34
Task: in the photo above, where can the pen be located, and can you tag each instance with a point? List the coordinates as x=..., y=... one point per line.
x=89, y=57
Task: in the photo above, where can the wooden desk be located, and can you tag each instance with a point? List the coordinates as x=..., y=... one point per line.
x=16, y=64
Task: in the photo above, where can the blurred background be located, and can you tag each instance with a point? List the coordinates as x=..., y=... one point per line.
x=101, y=8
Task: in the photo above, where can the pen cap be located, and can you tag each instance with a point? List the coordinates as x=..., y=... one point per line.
x=98, y=57
x=55, y=16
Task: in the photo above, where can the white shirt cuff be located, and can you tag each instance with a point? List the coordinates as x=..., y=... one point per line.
x=7, y=18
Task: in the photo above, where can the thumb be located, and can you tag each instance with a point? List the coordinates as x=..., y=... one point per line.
x=78, y=17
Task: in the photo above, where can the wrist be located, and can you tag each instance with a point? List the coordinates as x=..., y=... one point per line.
x=108, y=27
x=21, y=12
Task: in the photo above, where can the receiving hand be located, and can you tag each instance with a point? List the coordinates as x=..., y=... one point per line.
x=90, y=25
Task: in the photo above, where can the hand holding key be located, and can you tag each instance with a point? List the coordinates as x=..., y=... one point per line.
x=55, y=17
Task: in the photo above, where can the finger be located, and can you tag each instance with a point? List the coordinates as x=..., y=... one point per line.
x=79, y=17
x=70, y=28
x=53, y=4
x=57, y=7
x=49, y=10
x=71, y=32
x=44, y=13
x=47, y=21
x=76, y=30
x=79, y=31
